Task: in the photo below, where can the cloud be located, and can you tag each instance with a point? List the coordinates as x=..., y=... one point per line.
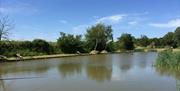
x=18, y=8
x=170, y=24
x=63, y=21
x=111, y=19
x=114, y=20
x=80, y=29
x=133, y=23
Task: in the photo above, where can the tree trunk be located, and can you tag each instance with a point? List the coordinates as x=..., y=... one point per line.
x=96, y=44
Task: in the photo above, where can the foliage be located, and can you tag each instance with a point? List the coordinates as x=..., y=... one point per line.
x=177, y=36
x=143, y=41
x=125, y=42
x=168, y=39
x=111, y=47
x=40, y=45
x=69, y=43
x=98, y=36
x=158, y=42
x=26, y=48
x=168, y=58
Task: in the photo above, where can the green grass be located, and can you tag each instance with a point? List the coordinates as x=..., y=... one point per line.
x=168, y=59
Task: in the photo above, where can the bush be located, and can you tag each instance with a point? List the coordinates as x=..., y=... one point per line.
x=125, y=42
x=69, y=43
x=42, y=46
x=168, y=58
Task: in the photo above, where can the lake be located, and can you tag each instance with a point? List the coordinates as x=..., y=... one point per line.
x=111, y=72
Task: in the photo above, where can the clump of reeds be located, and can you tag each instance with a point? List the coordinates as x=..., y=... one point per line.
x=168, y=58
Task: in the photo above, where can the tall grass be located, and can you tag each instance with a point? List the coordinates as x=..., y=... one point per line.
x=169, y=59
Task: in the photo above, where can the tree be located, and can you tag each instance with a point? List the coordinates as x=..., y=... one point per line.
x=168, y=39
x=157, y=42
x=5, y=26
x=42, y=46
x=125, y=42
x=177, y=36
x=98, y=37
x=69, y=43
x=143, y=41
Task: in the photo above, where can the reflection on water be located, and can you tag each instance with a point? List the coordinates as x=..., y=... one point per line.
x=125, y=62
x=23, y=67
x=112, y=72
x=175, y=73
x=99, y=73
x=177, y=85
x=169, y=72
x=69, y=69
x=2, y=85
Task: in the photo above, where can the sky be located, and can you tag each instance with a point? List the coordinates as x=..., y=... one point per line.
x=44, y=19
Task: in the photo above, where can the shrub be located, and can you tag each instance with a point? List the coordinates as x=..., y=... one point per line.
x=168, y=58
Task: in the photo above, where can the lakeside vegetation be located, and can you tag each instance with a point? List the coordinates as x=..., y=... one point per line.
x=98, y=37
x=168, y=59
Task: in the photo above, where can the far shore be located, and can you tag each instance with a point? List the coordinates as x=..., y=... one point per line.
x=14, y=59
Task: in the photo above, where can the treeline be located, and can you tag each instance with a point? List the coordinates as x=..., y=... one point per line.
x=27, y=48
x=98, y=37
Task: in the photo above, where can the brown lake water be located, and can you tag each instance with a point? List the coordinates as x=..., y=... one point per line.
x=112, y=72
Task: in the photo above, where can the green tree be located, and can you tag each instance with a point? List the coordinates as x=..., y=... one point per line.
x=143, y=41
x=98, y=37
x=157, y=42
x=125, y=42
x=168, y=39
x=42, y=46
x=177, y=36
x=69, y=43
x=111, y=46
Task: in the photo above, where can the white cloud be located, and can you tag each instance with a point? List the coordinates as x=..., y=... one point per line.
x=63, y=21
x=111, y=19
x=19, y=7
x=170, y=24
x=114, y=20
x=80, y=29
x=133, y=23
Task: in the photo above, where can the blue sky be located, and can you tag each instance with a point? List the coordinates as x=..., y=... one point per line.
x=46, y=18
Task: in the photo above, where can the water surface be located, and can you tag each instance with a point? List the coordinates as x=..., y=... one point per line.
x=112, y=72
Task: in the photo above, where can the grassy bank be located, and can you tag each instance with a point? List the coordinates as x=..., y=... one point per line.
x=161, y=57
x=168, y=59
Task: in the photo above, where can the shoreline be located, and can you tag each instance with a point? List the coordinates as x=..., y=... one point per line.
x=14, y=59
